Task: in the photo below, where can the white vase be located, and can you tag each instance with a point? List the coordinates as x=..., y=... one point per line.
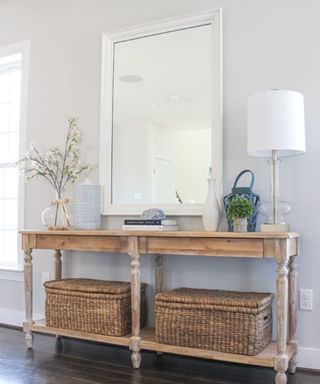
x=211, y=210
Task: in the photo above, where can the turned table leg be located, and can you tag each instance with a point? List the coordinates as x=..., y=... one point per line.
x=159, y=273
x=281, y=358
x=135, y=301
x=28, y=297
x=57, y=276
x=57, y=265
x=293, y=309
x=159, y=279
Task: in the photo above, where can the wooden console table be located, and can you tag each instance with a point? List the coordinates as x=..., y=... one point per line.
x=282, y=247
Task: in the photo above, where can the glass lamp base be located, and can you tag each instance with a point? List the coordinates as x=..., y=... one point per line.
x=266, y=209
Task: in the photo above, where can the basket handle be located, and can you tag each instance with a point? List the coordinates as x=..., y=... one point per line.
x=241, y=174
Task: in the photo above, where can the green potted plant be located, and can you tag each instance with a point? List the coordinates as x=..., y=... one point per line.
x=239, y=210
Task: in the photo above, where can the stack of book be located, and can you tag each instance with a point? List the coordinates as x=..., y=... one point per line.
x=150, y=225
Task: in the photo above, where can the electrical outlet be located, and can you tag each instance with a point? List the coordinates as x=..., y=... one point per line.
x=45, y=277
x=306, y=299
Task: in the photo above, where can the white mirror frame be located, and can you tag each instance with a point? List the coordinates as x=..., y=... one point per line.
x=213, y=18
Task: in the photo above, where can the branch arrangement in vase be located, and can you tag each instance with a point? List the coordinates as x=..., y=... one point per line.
x=58, y=166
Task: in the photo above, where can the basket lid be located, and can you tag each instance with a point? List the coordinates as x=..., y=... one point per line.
x=91, y=285
x=216, y=297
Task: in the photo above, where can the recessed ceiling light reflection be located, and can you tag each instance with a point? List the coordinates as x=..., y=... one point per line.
x=131, y=78
x=177, y=98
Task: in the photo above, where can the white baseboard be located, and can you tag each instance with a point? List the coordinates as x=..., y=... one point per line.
x=11, y=275
x=13, y=317
x=308, y=358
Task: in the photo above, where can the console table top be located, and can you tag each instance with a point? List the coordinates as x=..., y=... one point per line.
x=203, y=234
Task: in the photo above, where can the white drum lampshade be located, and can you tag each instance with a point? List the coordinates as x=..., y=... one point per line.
x=275, y=129
x=276, y=122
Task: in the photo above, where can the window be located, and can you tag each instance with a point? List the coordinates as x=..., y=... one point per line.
x=12, y=122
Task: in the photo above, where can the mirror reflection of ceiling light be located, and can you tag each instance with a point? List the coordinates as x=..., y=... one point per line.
x=154, y=105
x=177, y=98
x=130, y=78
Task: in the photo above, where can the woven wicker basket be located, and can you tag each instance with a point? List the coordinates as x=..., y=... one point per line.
x=225, y=321
x=92, y=306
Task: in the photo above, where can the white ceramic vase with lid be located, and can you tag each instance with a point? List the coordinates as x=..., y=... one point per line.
x=87, y=205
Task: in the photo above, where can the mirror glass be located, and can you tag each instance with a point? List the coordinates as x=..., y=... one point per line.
x=162, y=123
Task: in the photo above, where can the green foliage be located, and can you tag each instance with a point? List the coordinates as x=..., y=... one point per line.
x=240, y=208
x=58, y=166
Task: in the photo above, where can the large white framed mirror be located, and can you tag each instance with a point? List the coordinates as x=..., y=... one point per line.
x=161, y=115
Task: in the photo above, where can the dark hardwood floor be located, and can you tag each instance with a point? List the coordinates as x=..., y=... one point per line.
x=80, y=362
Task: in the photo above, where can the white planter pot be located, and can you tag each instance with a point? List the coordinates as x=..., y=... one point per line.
x=240, y=225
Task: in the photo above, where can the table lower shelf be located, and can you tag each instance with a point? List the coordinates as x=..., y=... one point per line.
x=264, y=358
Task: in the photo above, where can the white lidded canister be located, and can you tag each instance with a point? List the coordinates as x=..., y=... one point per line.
x=87, y=206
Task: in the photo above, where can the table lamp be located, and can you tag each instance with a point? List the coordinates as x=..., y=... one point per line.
x=275, y=128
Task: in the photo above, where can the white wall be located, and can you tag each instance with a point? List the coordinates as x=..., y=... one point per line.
x=267, y=43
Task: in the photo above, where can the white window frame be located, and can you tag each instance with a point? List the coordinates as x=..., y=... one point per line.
x=15, y=273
